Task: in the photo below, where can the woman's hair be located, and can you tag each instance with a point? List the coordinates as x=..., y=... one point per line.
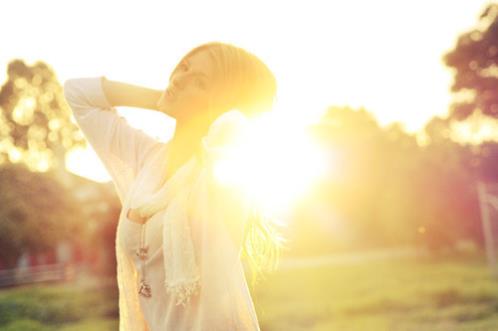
x=261, y=244
x=242, y=81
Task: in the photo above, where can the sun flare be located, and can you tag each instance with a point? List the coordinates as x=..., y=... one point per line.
x=275, y=164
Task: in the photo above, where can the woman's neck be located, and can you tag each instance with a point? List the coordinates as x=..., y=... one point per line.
x=187, y=137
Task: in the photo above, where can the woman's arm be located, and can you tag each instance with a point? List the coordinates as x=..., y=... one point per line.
x=121, y=147
x=128, y=95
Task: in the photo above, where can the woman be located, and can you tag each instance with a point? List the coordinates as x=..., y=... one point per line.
x=181, y=232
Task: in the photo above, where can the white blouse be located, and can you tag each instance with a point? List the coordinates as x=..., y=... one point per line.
x=224, y=301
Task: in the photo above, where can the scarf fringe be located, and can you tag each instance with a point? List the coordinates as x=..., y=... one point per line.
x=183, y=290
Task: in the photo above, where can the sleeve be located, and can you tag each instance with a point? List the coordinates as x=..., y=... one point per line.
x=121, y=148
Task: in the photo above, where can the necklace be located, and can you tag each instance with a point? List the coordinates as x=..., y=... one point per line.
x=142, y=253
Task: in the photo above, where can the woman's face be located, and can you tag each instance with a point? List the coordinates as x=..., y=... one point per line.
x=189, y=87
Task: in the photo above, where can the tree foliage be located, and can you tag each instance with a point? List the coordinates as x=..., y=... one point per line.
x=37, y=211
x=475, y=61
x=35, y=121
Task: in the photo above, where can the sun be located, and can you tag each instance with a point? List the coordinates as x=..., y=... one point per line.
x=275, y=164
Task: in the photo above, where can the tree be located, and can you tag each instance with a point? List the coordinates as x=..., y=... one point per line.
x=475, y=60
x=36, y=212
x=35, y=125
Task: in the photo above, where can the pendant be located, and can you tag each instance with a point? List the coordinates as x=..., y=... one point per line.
x=144, y=289
x=141, y=252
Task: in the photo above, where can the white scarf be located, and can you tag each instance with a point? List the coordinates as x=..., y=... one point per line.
x=151, y=193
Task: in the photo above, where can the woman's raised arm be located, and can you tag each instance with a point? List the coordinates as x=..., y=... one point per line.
x=129, y=95
x=121, y=147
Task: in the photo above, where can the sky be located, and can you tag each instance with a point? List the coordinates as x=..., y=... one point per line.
x=381, y=55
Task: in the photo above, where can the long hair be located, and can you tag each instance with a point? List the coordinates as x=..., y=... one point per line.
x=245, y=83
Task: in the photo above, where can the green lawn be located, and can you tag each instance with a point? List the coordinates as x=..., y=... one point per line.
x=404, y=294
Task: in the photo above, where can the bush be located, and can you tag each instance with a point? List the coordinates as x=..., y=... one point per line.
x=56, y=305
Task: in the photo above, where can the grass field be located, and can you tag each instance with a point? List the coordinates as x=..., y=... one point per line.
x=415, y=294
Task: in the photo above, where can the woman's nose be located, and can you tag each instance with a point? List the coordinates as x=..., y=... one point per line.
x=176, y=85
